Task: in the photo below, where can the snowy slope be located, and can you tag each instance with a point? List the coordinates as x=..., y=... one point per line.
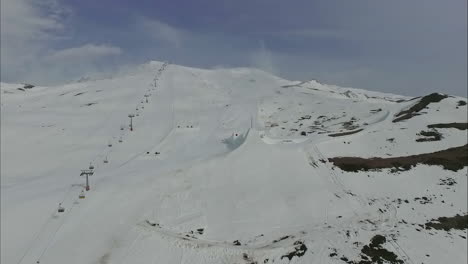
x=223, y=166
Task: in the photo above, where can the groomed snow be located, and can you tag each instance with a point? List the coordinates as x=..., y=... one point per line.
x=217, y=170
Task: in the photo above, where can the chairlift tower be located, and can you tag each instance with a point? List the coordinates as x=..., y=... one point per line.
x=131, y=116
x=87, y=173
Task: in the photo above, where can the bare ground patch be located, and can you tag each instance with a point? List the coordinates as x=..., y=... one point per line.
x=458, y=222
x=345, y=133
x=299, y=250
x=373, y=253
x=426, y=136
x=460, y=126
x=420, y=105
x=88, y=104
x=453, y=159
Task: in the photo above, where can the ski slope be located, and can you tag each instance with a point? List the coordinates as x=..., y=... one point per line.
x=222, y=166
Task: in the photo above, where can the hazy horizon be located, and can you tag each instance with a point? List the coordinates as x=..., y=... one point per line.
x=400, y=47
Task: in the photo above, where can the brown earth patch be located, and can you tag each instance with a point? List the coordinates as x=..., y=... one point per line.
x=345, y=133
x=453, y=159
x=460, y=126
x=420, y=105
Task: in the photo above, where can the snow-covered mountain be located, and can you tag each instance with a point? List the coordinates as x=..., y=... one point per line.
x=230, y=166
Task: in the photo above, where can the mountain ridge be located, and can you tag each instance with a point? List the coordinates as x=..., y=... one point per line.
x=227, y=166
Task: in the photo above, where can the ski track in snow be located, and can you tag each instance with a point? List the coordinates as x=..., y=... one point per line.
x=46, y=235
x=147, y=208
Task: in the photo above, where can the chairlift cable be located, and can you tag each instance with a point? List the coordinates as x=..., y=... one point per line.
x=38, y=233
x=73, y=204
x=96, y=166
x=56, y=231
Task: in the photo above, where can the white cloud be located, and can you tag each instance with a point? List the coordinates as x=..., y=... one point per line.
x=85, y=52
x=163, y=32
x=24, y=20
x=263, y=59
x=25, y=31
x=30, y=30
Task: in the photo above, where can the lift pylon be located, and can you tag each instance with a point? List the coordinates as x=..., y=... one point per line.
x=87, y=173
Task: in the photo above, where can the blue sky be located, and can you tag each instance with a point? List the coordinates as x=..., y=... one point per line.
x=406, y=47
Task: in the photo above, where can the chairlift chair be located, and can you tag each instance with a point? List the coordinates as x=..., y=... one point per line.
x=105, y=160
x=91, y=166
x=82, y=195
x=60, y=209
x=120, y=140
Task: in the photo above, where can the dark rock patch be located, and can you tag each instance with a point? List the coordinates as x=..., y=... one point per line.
x=420, y=105
x=248, y=259
x=350, y=125
x=447, y=181
x=457, y=222
x=152, y=224
x=274, y=125
x=89, y=104
x=427, y=136
x=453, y=159
x=345, y=133
x=375, y=253
x=280, y=239
x=423, y=200
x=460, y=126
x=305, y=117
x=299, y=250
